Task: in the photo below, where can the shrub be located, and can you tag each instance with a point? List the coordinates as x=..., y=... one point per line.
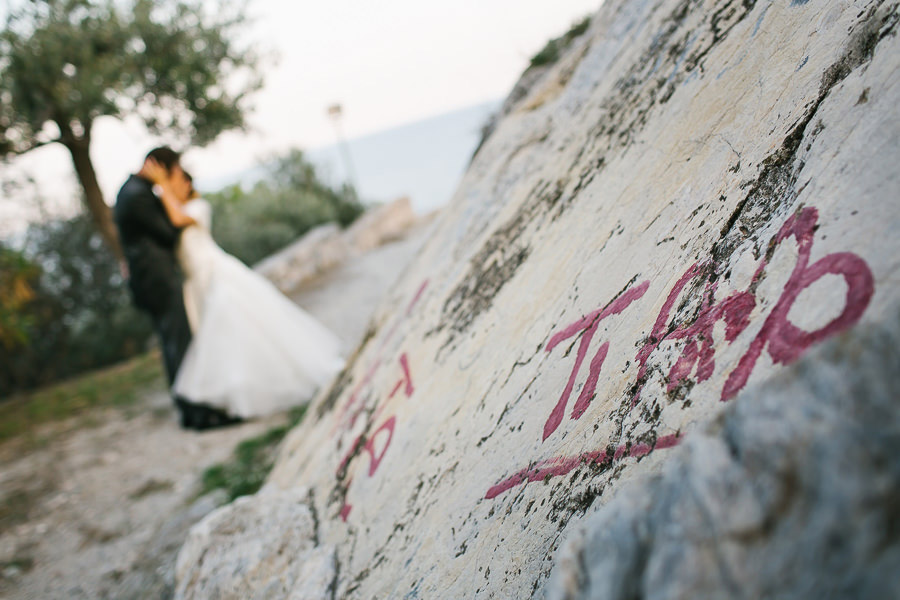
x=278, y=210
x=78, y=314
x=550, y=53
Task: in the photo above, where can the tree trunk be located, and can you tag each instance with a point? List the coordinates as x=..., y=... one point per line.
x=79, y=148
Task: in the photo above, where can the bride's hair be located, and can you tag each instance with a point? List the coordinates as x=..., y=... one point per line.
x=190, y=178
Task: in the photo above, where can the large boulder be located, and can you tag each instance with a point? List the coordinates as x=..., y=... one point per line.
x=695, y=195
x=262, y=547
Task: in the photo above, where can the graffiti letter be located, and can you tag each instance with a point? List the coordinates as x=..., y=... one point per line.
x=370, y=444
x=588, y=325
x=785, y=341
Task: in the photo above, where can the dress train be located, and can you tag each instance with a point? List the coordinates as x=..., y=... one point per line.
x=254, y=352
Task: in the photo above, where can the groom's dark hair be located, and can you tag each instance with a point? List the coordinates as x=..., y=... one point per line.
x=165, y=156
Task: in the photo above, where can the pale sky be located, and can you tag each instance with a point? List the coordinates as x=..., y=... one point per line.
x=387, y=63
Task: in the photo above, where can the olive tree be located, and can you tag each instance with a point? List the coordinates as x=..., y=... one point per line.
x=176, y=64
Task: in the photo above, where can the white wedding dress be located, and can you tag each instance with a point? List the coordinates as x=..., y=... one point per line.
x=254, y=352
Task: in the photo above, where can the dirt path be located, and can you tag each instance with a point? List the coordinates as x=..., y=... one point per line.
x=101, y=511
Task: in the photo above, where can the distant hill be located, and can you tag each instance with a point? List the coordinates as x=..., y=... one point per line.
x=423, y=160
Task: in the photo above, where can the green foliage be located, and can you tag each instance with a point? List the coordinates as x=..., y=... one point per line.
x=79, y=314
x=279, y=209
x=251, y=462
x=550, y=53
x=118, y=386
x=69, y=62
x=18, y=277
x=173, y=63
x=30, y=324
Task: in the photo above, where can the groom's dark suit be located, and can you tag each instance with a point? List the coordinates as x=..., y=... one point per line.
x=149, y=241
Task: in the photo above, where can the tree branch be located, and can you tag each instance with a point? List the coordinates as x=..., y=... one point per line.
x=8, y=149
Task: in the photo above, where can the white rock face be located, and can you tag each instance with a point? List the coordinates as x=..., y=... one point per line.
x=256, y=547
x=691, y=198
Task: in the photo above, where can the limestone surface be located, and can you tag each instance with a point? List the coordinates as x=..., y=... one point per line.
x=695, y=195
x=792, y=493
x=259, y=547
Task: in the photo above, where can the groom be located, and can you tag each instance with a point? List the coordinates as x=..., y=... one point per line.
x=149, y=240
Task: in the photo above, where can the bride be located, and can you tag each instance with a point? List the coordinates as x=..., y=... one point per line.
x=254, y=352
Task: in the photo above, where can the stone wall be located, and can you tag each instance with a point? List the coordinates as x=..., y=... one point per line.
x=695, y=195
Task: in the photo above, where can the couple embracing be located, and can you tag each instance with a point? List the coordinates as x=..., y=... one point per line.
x=233, y=346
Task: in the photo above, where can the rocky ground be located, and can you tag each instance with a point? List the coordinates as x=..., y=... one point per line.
x=100, y=511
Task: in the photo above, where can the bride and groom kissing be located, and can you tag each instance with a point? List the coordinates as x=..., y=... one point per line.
x=233, y=346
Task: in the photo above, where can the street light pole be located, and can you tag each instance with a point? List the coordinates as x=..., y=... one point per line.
x=335, y=112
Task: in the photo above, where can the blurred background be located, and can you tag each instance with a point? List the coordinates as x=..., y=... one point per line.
x=407, y=75
x=290, y=114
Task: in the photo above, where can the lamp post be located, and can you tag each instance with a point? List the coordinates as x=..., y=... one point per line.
x=335, y=112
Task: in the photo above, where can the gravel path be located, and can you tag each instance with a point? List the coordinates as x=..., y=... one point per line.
x=101, y=511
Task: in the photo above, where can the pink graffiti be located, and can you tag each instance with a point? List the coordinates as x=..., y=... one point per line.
x=561, y=465
x=405, y=381
x=409, y=308
x=588, y=325
x=349, y=454
x=784, y=341
x=416, y=297
x=366, y=442
x=356, y=405
x=375, y=459
x=351, y=409
x=698, y=353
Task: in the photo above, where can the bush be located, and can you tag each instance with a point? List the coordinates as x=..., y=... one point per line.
x=78, y=314
x=18, y=277
x=550, y=53
x=25, y=315
x=278, y=210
